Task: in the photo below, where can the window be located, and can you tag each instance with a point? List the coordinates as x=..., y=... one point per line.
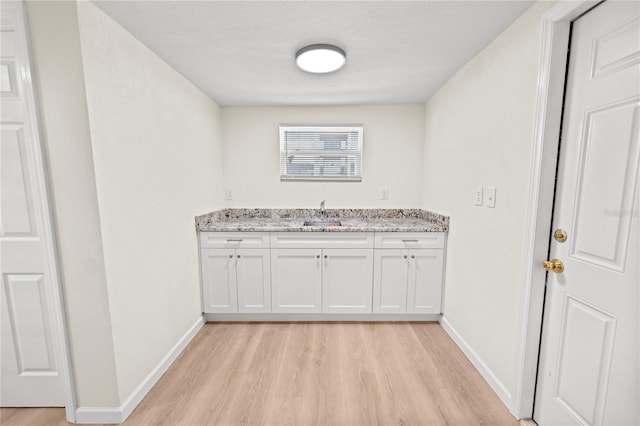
x=321, y=152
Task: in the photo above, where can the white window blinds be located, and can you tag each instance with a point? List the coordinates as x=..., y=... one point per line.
x=321, y=152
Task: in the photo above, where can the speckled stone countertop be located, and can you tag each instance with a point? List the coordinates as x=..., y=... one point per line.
x=353, y=220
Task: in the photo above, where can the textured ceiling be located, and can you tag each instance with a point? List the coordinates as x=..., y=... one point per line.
x=242, y=52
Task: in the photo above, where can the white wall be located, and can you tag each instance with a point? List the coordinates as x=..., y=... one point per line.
x=58, y=78
x=157, y=153
x=392, y=157
x=479, y=131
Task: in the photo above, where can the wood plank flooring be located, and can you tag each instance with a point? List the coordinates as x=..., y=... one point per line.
x=312, y=374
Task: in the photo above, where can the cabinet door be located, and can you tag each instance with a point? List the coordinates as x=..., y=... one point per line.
x=296, y=280
x=347, y=280
x=390, y=281
x=425, y=281
x=253, y=269
x=219, y=281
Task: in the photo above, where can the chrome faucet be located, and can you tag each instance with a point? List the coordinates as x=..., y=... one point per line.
x=323, y=212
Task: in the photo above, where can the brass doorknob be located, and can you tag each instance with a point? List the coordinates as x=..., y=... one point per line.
x=553, y=265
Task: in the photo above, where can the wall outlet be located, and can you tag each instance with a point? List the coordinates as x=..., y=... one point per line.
x=478, y=199
x=384, y=193
x=228, y=194
x=490, y=196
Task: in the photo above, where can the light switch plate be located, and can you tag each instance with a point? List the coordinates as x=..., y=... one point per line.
x=490, y=196
x=478, y=199
x=229, y=194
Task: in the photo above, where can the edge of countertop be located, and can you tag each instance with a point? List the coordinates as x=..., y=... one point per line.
x=218, y=218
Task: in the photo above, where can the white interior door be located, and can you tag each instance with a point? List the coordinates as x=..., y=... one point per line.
x=33, y=370
x=589, y=358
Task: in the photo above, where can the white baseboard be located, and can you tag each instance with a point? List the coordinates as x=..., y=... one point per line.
x=102, y=415
x=320, y=317
x=116, y=415
x=498, y=387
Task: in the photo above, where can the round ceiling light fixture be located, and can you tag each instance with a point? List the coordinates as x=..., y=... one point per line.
x=320, y=58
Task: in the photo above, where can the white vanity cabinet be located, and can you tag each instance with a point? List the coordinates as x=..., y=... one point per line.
x=408, y=273
x=236, y=272
x=322, y=272
x=291, y=275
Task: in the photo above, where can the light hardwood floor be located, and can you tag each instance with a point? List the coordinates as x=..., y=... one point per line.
x=312, y=374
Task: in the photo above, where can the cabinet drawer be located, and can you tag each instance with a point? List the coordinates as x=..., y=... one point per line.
x=234, y=240
x=320, y=240
x=387, y=240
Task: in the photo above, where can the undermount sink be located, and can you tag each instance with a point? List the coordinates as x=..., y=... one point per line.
x=322, y=223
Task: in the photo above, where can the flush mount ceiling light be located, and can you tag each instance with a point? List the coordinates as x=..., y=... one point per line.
x=320, y=58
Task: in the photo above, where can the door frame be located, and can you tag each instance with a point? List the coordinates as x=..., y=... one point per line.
x=61, y=346
x=556, y=26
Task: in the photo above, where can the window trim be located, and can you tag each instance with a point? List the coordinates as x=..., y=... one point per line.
x=359, y=128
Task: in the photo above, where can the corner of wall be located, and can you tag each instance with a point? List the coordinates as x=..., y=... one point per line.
x=157, y=158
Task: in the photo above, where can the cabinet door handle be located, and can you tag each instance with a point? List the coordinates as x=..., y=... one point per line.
x=317, y=256
x=410, y=241
x=326, y=256
x=405, y=256
x=230, y=256
x=238, y=256
x=413, y=256
x=234, y=240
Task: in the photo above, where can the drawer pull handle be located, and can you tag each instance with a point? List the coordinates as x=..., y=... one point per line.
x=230, y=256
x=413, y=256
x=317, y=256
x=405, y=256
x=234, y=240
x=238, y=256
x=410, y=241
x=326, y=257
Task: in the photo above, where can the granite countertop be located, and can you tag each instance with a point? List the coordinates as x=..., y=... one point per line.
x=353, y=220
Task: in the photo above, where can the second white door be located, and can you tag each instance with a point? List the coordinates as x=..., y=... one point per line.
x=32, y=345
x=589, y=371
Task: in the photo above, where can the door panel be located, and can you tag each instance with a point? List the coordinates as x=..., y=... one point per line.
x=424, y=287
x=589, y=356
x=15, y=190
x=8, y=83
x=605, y=179
x=296, y=283
x=24, y=295
x=254, y=280
x=584, y=359
x=616, y=49
x=347, y=278
x=390, y=275
x=220, y=294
